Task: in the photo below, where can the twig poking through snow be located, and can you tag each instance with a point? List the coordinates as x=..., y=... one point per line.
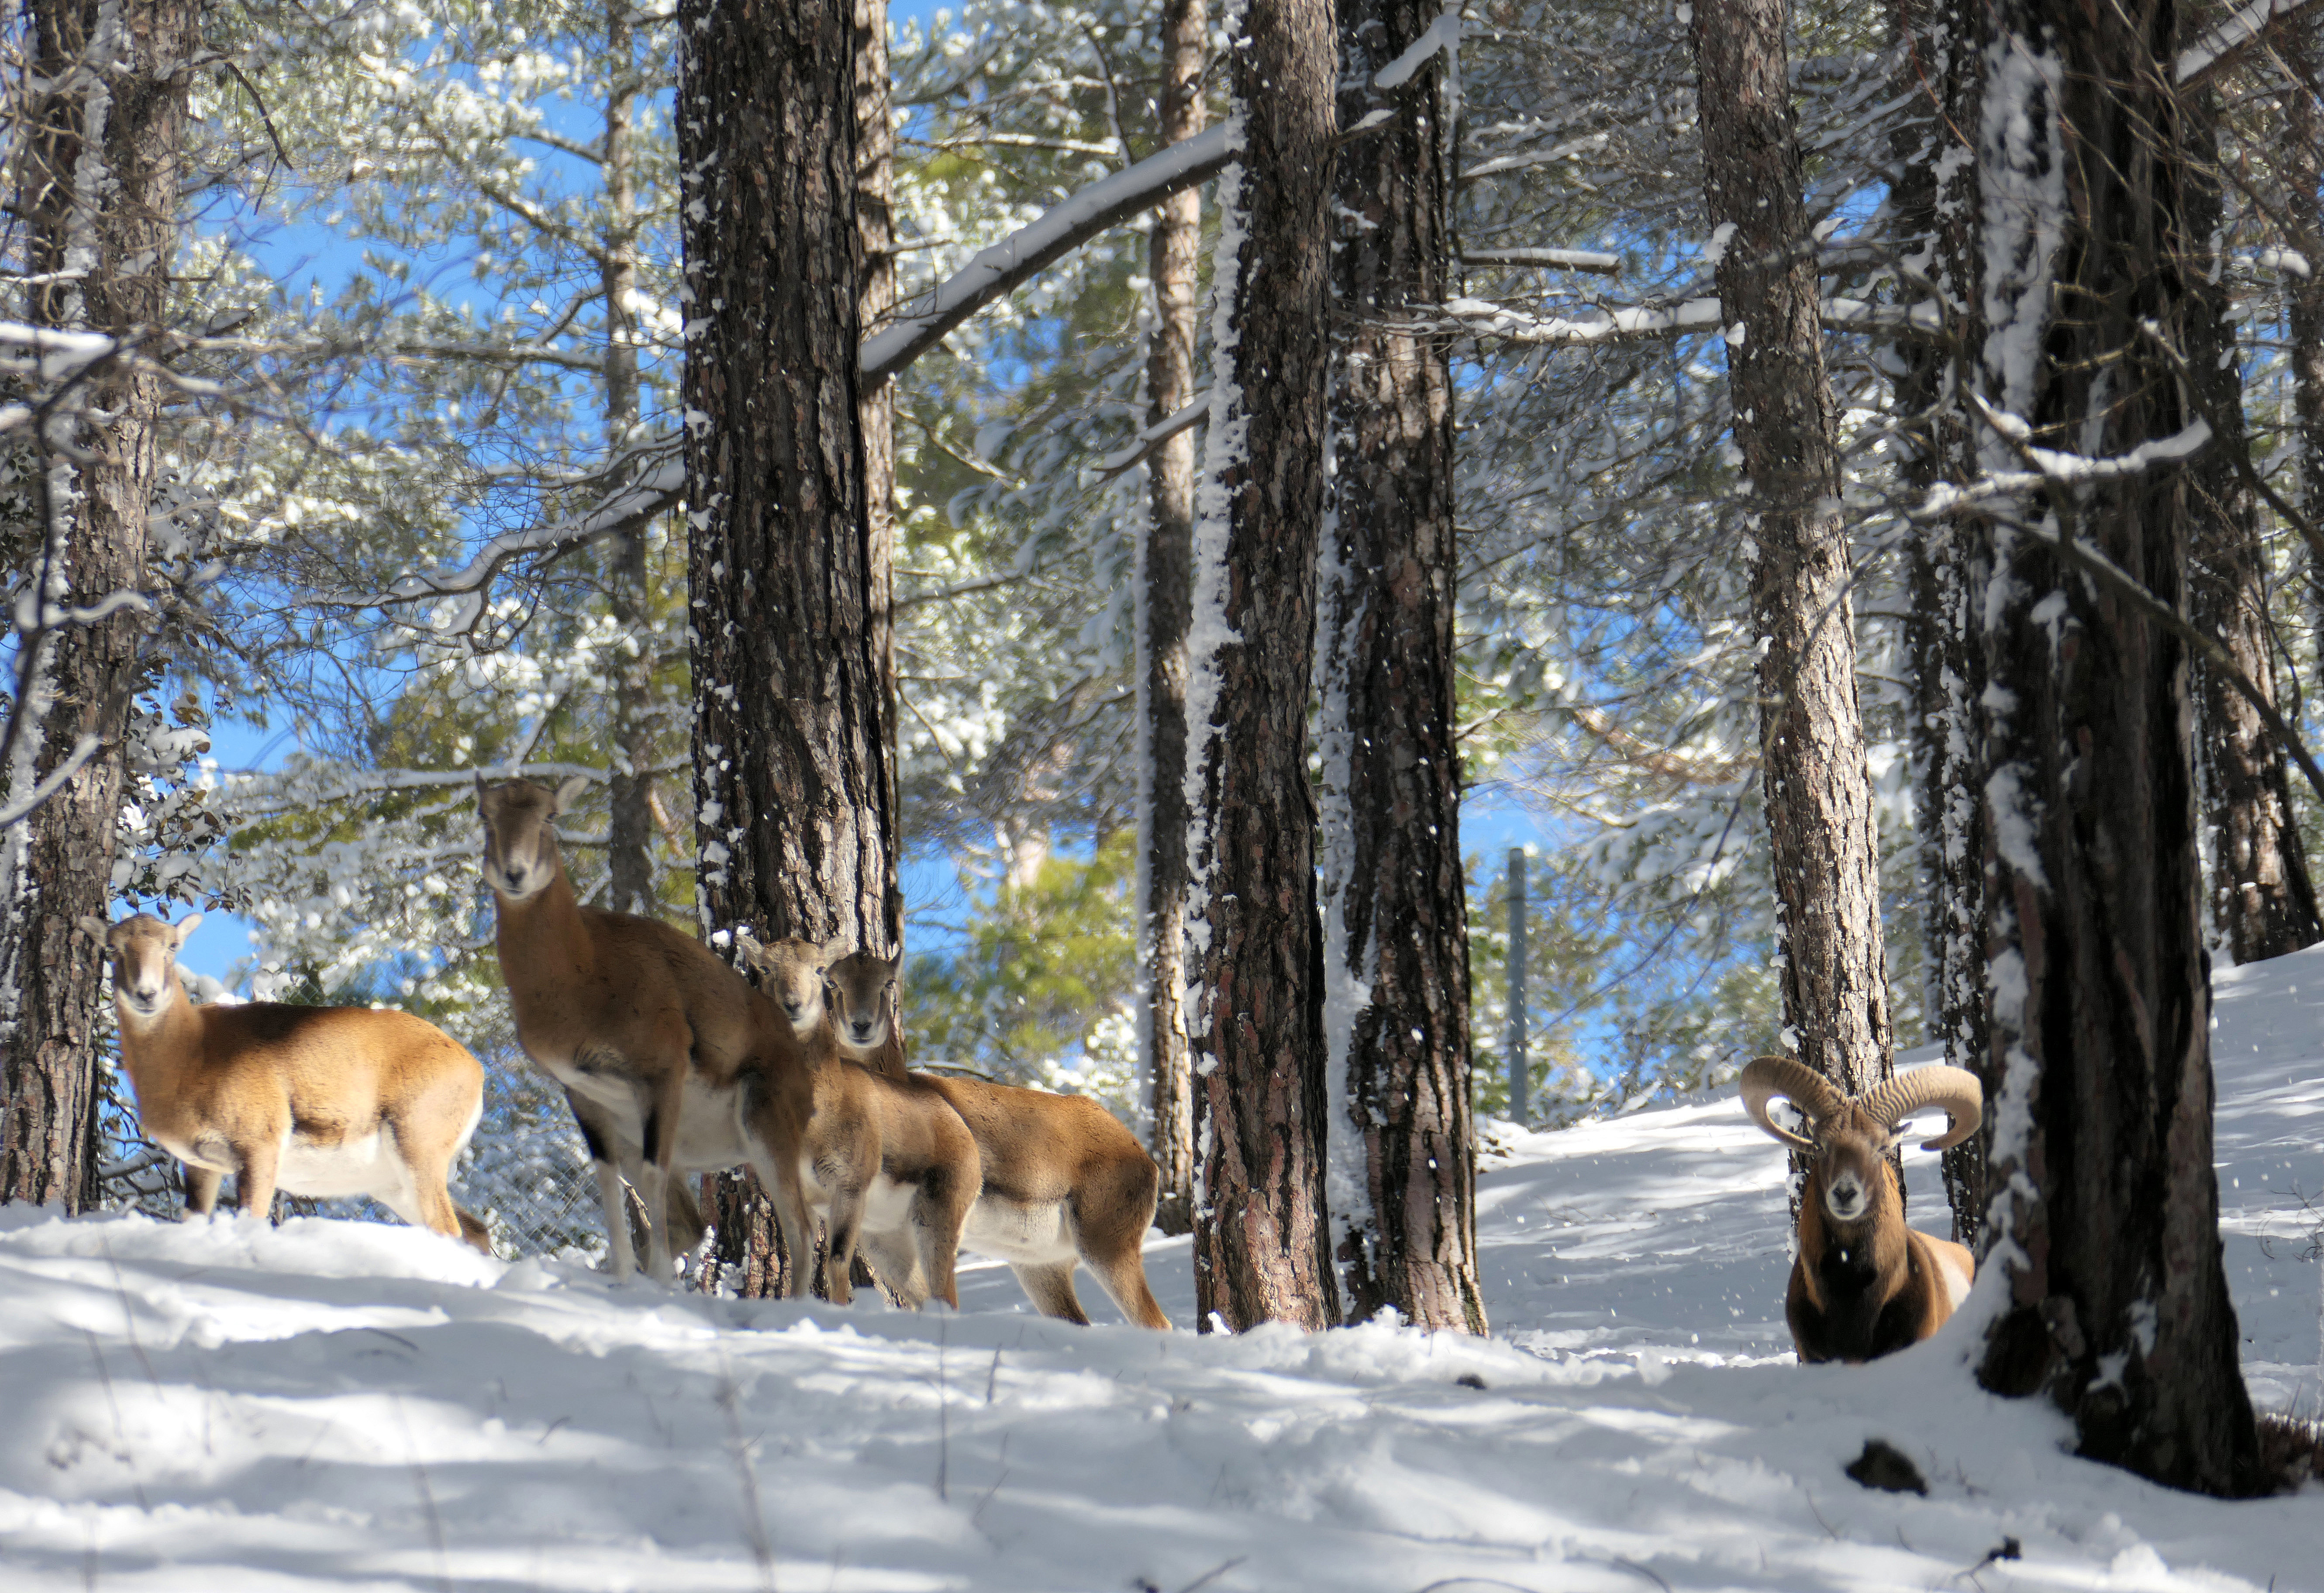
x=754, y=1514
x=1213, y=1574
x=427, y=1497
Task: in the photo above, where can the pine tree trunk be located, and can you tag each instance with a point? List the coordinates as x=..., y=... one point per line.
x=1402, y=1166
x=1260, y=1232
x=2261, y=901
x=110, y=206
x=1165, y=579
x=2301, y=166
x=1935, y=197
x=2106, y=1206
x=1818, y=784
x=794, y=795
x=630, y=887
x=875, y=206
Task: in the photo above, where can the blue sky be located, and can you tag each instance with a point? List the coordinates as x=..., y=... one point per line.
x=1491, y=821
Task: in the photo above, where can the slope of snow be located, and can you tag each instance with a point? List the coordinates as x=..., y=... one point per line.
x=226, y=1405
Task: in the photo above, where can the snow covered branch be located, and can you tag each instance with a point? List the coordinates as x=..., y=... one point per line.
x=1031, y=249
x=1481, y=318
x=2052, y=471
x=1560, y=259
x=2048, y=468
x=1532, y=157
x=1064, y=227
x=1141, y=448
x=2198, y=60
x=85, y=749
x=309, y=787
x=635, y=501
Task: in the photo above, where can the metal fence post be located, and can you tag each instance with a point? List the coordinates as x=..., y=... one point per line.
x=1517, y=984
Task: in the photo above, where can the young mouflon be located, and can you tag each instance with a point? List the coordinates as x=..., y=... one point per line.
x=1063, y=1180
x=877, y=1160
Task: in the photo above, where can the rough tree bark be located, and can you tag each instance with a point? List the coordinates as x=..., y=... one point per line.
x=1165, y=577
x=1817, y=782
x=2105, y=1210
x=794, y=796
x=629, y=833
x=2301, y=167
x=1260, y=1231
x=1935, y=197
x=2263, y=904
x=1402, y=1160
x=875, y=209
x=100, y=187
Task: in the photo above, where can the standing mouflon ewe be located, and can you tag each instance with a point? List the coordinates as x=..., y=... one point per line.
x=1063, y=1180
x=322, y=1101
x=646, y=1029
x=1864, y=1283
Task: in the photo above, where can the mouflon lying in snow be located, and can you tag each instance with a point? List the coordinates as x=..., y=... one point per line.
x=1864, y=1283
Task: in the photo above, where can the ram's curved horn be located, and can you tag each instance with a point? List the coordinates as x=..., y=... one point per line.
x=1954, y=1089
x=1766, y=1077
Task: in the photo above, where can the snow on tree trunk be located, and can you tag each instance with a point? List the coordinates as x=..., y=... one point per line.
x=875, y=208
x=101, y=188
x=1401, y=1171
x=2301, y=167
x=1260, y=1231
x=1936, y=212
x=2263, y=903
x=1818, y=785
x=630, y=887
x=1165, y=576
x=2105, y=1218
x=793, y=794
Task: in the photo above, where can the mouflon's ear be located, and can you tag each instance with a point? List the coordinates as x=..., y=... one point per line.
x=831, y=949
x=186, y=927
x=96, y=929
x=570, y=792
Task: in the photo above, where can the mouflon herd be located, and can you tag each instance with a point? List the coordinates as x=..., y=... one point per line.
x=675, y=1064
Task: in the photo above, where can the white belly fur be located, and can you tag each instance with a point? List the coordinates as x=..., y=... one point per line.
x=1035, y=1233
x=355, y=1166
x=709, y=1138
x=369, y=1165
x=1957, y=1282
x=887, y=1204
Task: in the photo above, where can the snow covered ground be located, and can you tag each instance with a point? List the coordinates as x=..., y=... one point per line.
x=227, y=1406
